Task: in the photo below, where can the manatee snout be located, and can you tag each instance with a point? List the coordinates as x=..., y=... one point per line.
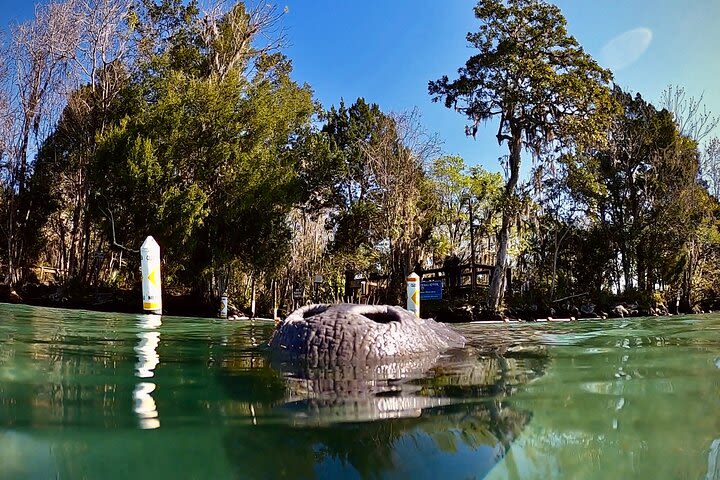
x=348, y=334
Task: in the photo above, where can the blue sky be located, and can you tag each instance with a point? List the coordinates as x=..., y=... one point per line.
x=387, y=51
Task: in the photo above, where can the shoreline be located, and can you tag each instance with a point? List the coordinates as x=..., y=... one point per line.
x=102, y=300
x=187, y=305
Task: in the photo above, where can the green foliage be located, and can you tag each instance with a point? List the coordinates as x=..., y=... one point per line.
x=455, y=185
x=639, y=188
x=627, y=221
x=206, y=164
x=61, y=221
x=350, y=182
x=377, y=191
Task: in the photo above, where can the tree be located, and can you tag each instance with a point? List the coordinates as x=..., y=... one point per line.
x=6, y=119
x=702, y=253
x=692, y=117
x=62, y=185
x=455, y=184
x=349, y=185
x=206, y=162
x=710, y=166
x=553, y=226
x=40, y=55
x=533, y=75
x=230, y=37
x=396, y=159
x=100, y=66
x=641, y=186
x=6, y=115
x=378, y=191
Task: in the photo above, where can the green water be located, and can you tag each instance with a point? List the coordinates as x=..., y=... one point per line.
x=106, y=396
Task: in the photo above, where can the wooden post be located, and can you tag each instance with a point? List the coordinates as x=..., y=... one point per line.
x=224, y=305
x=252, y=296
x=275, y=305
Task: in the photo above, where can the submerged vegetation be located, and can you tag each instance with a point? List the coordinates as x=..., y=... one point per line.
x=126, y=118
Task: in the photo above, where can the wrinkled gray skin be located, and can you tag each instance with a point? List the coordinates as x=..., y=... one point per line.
x=350, y=335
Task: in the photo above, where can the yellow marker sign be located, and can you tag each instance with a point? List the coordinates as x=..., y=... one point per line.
x=153, y=279
x=413, y=294
x=151, y=306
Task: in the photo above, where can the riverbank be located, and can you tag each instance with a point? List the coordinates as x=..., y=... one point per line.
x=186, y=305
x=469, y=310
x=103, y=300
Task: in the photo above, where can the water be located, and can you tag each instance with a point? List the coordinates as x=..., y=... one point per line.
x=105, y=396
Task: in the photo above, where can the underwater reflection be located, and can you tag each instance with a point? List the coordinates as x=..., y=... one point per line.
x=457, y=442
x=143, y=403
x=713, y=471
x=625, y=402
x=57, y=373
x=421, y=418
x=354, y=394
x=394, y=390
x=22, y=456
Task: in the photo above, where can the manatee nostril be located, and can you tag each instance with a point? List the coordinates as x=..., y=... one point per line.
x=313, y=310
x=382, y=317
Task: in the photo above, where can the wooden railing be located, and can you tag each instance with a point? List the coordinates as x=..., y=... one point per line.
x=453, y=278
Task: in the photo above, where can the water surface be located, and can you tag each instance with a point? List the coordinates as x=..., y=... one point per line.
x=97, y=395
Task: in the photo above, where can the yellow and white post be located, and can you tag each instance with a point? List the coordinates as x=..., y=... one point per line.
x=224, y=306
x=151, y=282
x=413, y=293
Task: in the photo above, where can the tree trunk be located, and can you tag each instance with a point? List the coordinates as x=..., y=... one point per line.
x=399, y=269
x=496, y=291
x=349, y=277
x=73, y=262
x=626, y=267
x=553, y=278
x=86, y=246
x=641, y=270
x=556, y=254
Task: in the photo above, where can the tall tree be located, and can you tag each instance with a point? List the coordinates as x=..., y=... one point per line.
x=553, y=226
x=6, y=115
x=350, y=183
x=396, y=160
x=100, y=67
x=710, y=166
x=41, y=52
x=379, y=191
x=531, y=74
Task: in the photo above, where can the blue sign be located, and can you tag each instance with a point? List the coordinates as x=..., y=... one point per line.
x=431, y=290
